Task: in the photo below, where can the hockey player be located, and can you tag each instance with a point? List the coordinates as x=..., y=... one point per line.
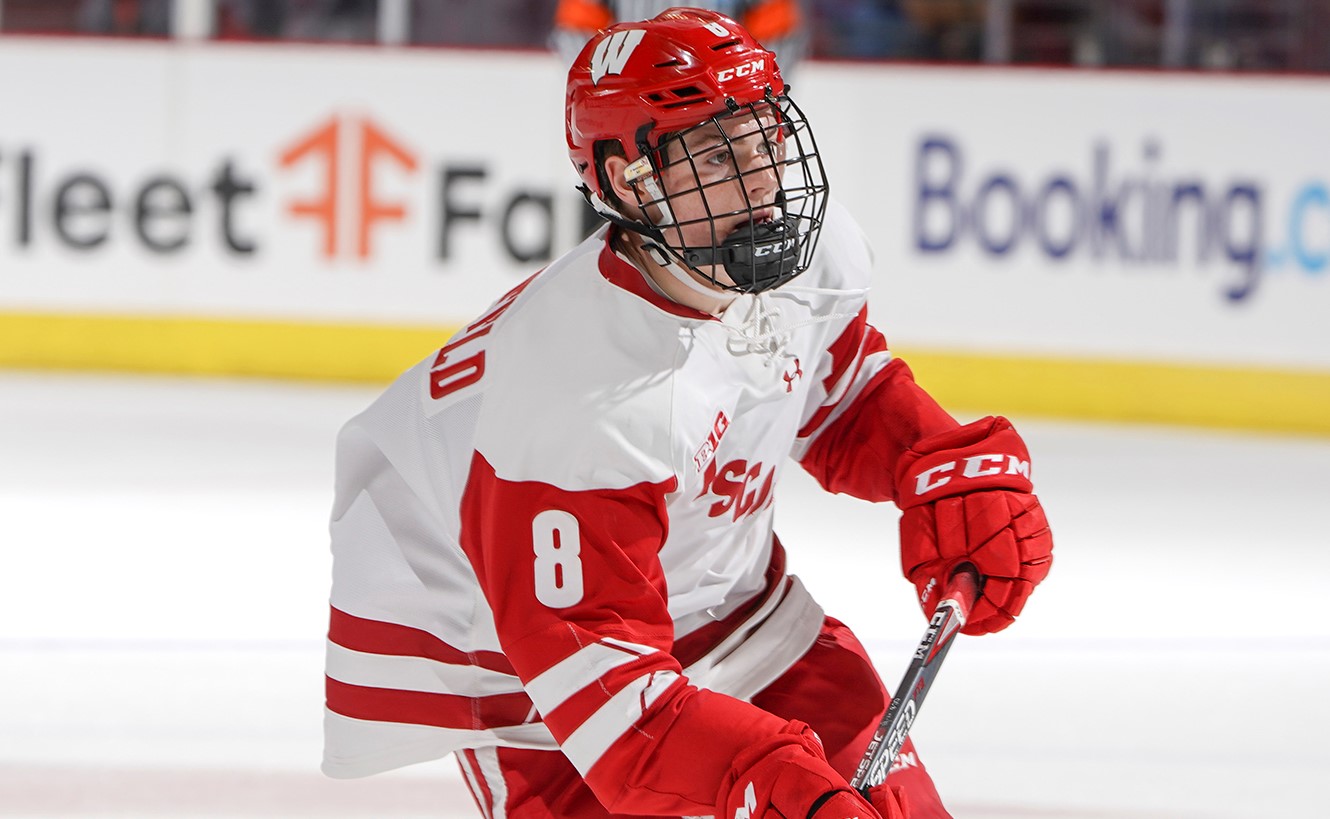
x=552, y=539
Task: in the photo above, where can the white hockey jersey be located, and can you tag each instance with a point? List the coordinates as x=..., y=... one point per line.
x=559, y=527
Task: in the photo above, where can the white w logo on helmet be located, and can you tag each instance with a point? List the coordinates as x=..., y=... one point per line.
x=612, y=53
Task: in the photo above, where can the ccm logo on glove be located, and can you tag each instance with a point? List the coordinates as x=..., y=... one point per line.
x=976, y=466
x=966, y=497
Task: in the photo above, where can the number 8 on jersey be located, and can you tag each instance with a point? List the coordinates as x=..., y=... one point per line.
x=557, y=543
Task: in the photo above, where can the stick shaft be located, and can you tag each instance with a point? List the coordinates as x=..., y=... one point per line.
x=952, y=611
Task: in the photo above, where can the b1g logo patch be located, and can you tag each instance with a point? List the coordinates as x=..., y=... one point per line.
x=707, y=452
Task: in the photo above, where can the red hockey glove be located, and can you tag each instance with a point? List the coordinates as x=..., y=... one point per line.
x=786, y=776
x=965, y=497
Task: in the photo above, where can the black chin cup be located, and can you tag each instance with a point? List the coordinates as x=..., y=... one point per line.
x=756, y=257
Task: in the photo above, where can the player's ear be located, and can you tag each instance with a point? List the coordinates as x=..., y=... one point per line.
x=614, y=167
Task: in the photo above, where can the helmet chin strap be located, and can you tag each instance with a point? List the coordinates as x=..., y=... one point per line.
x=755, y=257
x=662, y=257
x=655, y=245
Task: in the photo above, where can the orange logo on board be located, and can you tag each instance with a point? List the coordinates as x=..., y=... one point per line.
x=326, y=146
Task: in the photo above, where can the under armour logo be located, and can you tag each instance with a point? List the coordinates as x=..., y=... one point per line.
x=792, y=375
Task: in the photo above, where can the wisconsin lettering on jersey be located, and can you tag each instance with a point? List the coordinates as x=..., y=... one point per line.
x=740, y=488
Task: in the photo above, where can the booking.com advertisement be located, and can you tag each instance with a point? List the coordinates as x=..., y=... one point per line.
x=1181, y=217
x=1173, y=217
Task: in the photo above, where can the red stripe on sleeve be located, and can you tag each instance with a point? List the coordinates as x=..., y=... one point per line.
x=427, y=708
x=581, y=706
x=377, y=637
x=844, y=350
x=848, y=352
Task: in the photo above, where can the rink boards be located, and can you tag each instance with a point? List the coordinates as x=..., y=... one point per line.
x=1105, y=245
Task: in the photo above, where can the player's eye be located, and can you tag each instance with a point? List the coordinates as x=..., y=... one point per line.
x=718, y=158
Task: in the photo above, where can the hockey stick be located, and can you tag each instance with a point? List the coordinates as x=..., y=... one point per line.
x=952, y=611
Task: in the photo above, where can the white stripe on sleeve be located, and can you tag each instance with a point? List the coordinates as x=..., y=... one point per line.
x=416, y=674
x=575, y=672
x=586, y=745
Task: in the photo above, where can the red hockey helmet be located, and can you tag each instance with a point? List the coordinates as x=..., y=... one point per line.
x=635, y=82
x=641, y=88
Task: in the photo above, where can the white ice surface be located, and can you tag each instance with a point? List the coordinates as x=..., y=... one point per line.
x=163, y=573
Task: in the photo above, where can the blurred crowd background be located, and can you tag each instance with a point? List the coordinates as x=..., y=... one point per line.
x=1224, y=35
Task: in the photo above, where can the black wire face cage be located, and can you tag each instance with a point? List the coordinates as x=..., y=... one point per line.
x=755, y=177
